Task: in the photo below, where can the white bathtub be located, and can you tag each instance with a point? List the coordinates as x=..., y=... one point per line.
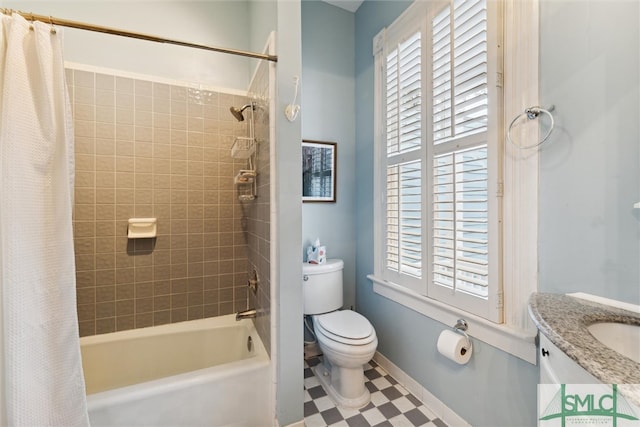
x=195, y=373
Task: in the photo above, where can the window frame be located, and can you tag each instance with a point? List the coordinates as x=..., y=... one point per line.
x=519, y=232
x=409, y=24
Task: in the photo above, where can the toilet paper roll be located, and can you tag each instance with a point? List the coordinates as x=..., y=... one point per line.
x=454, y=346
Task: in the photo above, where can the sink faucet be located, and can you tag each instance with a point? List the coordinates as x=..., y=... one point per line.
x=247, y=314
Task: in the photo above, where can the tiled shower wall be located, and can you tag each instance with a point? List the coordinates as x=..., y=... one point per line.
x=149, y=149
x=258, y=211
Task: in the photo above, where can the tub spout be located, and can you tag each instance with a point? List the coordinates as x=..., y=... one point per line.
x=247, y=314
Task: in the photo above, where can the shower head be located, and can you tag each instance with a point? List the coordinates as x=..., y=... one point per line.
x=237, y=112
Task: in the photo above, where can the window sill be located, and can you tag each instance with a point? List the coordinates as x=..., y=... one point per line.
x=516, y=342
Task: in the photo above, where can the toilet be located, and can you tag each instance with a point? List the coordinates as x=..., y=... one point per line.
x=346, y=338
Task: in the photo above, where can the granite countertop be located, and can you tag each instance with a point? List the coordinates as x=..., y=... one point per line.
x=564, y=320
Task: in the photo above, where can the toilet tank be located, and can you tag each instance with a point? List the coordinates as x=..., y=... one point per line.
x=322, y=286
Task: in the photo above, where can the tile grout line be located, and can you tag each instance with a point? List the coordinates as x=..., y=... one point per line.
x=391, y=403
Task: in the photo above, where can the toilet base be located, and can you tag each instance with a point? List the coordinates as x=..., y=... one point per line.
x=324, y=377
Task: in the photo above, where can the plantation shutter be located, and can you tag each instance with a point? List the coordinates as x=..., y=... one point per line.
x=436, y=141
x=460, y=217
x=404, y=158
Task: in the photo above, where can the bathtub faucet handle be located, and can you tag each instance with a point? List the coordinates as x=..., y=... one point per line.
x=246, y=314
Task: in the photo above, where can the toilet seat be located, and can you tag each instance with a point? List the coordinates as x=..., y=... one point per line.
x=346, y=327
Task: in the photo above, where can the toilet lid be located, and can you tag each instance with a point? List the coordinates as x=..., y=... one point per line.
x=346, y=324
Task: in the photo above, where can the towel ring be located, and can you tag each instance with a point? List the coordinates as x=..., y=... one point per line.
x=533, y=113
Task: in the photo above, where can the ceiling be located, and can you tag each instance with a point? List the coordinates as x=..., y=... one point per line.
x=350, y=5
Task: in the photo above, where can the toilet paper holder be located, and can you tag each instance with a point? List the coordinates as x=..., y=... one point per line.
x=461, y=327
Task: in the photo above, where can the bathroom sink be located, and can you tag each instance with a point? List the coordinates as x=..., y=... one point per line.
x=620, y=337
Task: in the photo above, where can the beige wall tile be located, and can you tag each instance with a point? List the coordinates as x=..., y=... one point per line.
x=124, y=323
x=125, y=196
x=105, y=261
x=161, y=197
x=105, y=228
x=105, y=81
x=211, y=310
x=178, y=271
x=161, y=286
x=83, y=79
x=105, y=180
x=105, y=131
x=85, y=262
x=143, y=274
x=125, y=180
x=105, y=326
x=106, y=98
x=86, y=312
x=161, y=303
x=196, y=255
x=143, y=305
x=158, y=153
x=161, y=90
x=105, y=309
x=144, y=196
x=144, y=103
x=105, y=293
x=143, y=87
x=84, y=226
x=124, y=132
x=179, y=315
x=105, y=114
x=105, y=163
x=179, y=286
x=85, y=112
x=178, y=93
x=178, y=137
x=125, y=292
x=144, y=320
x=86, y=296
x=105, y=277
x=143, y=149
x=124, y=85
x=226, y=308
x=195, y=312
x=125, y=307
x=85, y=279
x=84, y=95
x=162, y=120
x=179, y=300
x=179, y=182
x=161, y=317
x=178, y=226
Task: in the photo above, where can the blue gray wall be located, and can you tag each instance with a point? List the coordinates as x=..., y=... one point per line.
x=494, y=389
x=218, y=23
x=328, y=115
x=590, y=168
x=263, y=20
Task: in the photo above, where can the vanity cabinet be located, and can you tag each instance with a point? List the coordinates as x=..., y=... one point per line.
x=558, y=368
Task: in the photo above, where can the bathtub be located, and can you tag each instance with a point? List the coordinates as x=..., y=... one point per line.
x=208, y=372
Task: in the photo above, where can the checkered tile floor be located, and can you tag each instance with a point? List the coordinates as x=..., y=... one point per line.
x=391, y=404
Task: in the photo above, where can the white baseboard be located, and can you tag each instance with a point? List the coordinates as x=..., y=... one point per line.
x=436, y=406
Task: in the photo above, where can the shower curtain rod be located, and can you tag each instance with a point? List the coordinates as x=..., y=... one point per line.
x=140, y=36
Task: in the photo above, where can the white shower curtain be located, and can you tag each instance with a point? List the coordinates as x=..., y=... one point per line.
x=42, y=370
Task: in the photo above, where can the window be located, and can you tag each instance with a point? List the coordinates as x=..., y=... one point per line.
x=438, y=111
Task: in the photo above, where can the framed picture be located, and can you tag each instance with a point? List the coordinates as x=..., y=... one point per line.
x=319, y=171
